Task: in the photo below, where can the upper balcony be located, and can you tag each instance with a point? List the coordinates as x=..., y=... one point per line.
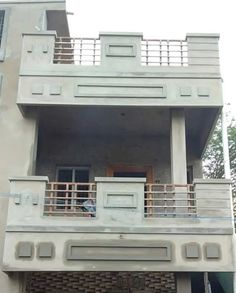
x=120, y=69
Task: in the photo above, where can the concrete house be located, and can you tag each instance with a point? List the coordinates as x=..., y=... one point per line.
x=100, y=160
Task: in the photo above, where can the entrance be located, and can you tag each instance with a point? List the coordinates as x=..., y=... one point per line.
x=122, y=170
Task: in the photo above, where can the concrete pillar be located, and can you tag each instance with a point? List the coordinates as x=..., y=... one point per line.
x=183, y=283
x=178, y=161
x=178, y=147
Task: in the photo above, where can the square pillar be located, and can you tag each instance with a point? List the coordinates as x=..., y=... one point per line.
x=178, y=147
x=178, y=161
x=183, y=283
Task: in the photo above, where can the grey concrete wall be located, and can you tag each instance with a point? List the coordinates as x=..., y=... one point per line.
x=102, y=151
x=60, y=262
x=17, y=133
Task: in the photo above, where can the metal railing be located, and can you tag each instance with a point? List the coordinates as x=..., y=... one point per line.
x=168, y=200
x=79, y=200
x=70, y=199
x=156, y=52
x=79, y=51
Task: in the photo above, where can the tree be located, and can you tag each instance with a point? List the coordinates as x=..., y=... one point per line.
x=213, y=161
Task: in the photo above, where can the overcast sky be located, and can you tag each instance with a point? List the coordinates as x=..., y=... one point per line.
x=165, y=19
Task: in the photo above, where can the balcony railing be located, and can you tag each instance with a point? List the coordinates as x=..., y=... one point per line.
x=87, y=51
x=70, y=199
x=79, y=200
x=168, y=200
x=79, y=51
x=164, y=52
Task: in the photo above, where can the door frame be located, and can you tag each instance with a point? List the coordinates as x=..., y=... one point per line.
x=131, y=168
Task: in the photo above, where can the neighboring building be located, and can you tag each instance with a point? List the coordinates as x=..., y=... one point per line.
x=102, y=140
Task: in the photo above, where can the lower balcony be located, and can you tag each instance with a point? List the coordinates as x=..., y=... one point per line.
x=124, y=204
x=122, y=224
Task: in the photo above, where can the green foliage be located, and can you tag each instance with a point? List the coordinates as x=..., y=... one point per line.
x=213, y=161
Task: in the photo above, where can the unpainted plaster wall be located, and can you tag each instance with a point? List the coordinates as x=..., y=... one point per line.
x=17, y=133
x=99, y=152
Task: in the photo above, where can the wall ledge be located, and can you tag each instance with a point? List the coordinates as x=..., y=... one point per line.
x=29, y=178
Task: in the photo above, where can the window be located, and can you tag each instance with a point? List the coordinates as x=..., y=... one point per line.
x=4, y=14
x=73, y=174
x=74, y=191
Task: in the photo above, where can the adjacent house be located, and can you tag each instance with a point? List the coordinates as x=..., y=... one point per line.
x=100, y=160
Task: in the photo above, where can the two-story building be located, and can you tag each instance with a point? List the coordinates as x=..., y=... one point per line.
x=100, y=163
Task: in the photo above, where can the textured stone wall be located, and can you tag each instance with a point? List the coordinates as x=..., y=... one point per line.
x=100, y=282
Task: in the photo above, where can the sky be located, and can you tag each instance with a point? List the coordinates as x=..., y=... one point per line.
x=164, y=19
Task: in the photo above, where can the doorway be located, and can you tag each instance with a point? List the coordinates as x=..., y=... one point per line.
x=122, y=170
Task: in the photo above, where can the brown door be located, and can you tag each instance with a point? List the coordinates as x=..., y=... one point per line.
x=122, y=170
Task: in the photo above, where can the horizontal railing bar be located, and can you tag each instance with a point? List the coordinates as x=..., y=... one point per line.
x=202, y=64
x=170, y=191
x=69, y=198
x=187, y=200
x=72, y=60
x=73, y=55
x=71, y=183
x=69, y=212
x=169, y=185
x=78, y=41
x=163, y=62
x=171, y=207
x=75, y=49
x=68, y=205
x=174, y=214
x=145, y=47
x=171, y=57
x=70, y=190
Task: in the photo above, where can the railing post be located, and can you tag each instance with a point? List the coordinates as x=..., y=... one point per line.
x=203, y=50
x=213, y=198
x=120, y=200
x=121, y=51
x=27, y=199
x=38, y=48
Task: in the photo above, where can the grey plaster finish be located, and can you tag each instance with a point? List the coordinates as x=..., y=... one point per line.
x=203, y=35
x=178, y=262
x=178, y=147
x=156, y=227
x=121, y=34
x=125, y=66
x=99, y=152
x=18, y=135
x=213, y=212
x=29, y=178
x=212, y=181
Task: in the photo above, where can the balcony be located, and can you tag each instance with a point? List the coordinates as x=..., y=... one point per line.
x=120, y=202
x=119, y=69
x=63, y=226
